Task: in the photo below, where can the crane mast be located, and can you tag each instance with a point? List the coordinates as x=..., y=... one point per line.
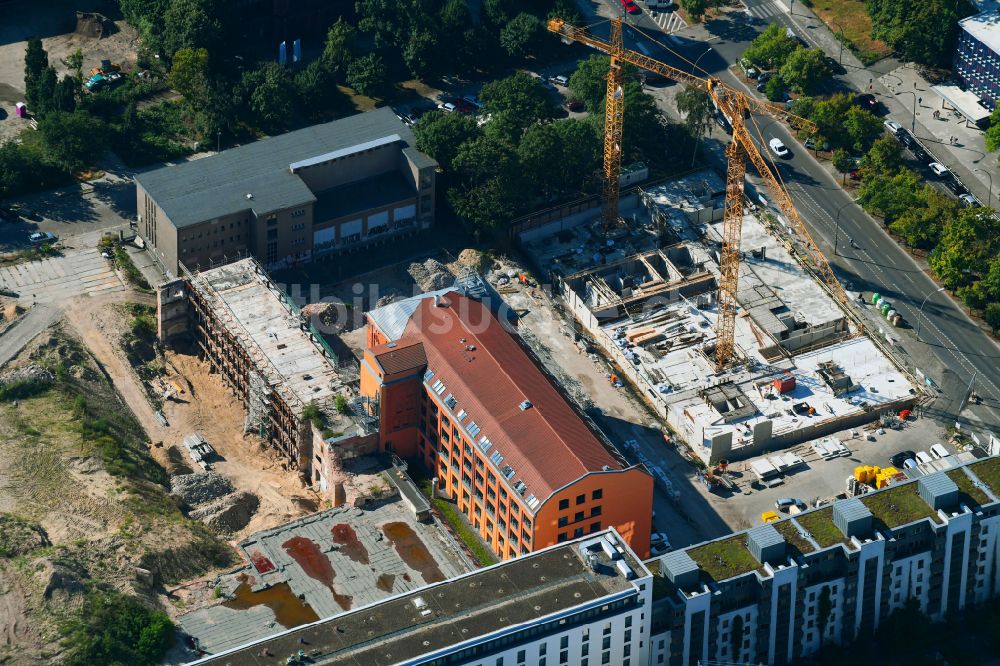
x=736, y=106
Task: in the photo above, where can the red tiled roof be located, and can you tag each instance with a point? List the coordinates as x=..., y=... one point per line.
x=396, y=357
x=548, y=445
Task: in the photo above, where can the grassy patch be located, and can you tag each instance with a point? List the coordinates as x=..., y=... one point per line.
x=820, y=526
x=450, y=513
x=851, y=17
x=898, y=505
x=790, y=532
x=724, y=559
x=135, y=277
x=116, y=629
x=988, y=471
x=968, y=493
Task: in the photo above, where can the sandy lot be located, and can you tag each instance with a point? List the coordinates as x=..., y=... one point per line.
x=55, y=22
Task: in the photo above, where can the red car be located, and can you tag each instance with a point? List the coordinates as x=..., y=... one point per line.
x=630, y=6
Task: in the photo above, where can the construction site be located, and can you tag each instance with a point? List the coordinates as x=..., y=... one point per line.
x=801, y=368
x=296, y=394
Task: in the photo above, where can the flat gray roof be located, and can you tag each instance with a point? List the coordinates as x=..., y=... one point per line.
x=362, y=195
x=495, y=599
x=215, y=186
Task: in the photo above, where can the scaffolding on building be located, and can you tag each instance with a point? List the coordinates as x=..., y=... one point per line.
x=258, y=405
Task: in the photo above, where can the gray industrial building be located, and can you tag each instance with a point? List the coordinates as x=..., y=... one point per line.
x=778, y=592
x=292, y=198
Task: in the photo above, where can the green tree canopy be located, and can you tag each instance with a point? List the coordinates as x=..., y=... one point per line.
x=118, y=629
x=190, y=24
x=920, y=226
x=806, y=70
x=440, y=135
x=923, y=32
x=564, y=142
x=695, y=8
x=969, y=241
x=339, y=48
x=268, y=94
x=699, y=113
x=73, y=140
x=589, y=82
x=189, y=74
x=828, y=114
x=771, y=48
x=992, y=316
x=885, y=157
x=862, y=127
x=891, y=196
x=521, y=35
x=993, y=133
x=521, y=95
x=36, y=62
x=367, y=75
x=843, y=162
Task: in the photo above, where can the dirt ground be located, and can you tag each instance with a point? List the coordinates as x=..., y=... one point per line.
x=205, y=406
x=55, y=22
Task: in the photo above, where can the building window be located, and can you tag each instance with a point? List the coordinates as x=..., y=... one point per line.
x=562, y=537
x=578, y=517
x=597, y=494
x=562, y=521
x=563, y=504
x=596, y=511
x=580, y=499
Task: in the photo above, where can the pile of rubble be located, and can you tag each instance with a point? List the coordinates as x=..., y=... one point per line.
x=28, y=374
x=213, y=500
x=431, y=275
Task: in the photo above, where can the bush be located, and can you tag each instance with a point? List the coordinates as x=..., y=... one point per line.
x=992, y=316
x=113, y=628
x=128, y=268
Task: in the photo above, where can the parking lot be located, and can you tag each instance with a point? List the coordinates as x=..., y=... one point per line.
x=819, y=478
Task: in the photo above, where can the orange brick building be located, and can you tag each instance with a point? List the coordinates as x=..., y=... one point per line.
x=458, y=392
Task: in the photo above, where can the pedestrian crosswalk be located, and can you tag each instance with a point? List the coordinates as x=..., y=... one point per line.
x=766, y=10
x=669, y=21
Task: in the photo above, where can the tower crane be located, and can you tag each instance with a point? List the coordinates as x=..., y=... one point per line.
x=736, y=107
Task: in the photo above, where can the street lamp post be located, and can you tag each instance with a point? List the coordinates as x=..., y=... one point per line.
x=836, y=238
x=989, y=199
x=920, y=311
x=840, y=38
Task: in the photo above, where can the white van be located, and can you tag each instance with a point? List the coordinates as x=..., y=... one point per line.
x=939, y=451
x=924, y=457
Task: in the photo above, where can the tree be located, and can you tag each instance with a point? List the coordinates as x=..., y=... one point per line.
x=771, y=48
x=992, y=316
x=36, y=62
x=991, y=281
x=367, y=74
x=189, y=74
x=695, y=8
x=843, y=162
x=522, y=95
x=45, y=91
x=699, y=112
x=563, y=142
x=314, y=86
x=455, y=17
x=829, y=115
x=920, y=226
x=973, y=295
x=774, y=89
x=75, y=62
x=862, y=128
x=485, y=206
x=891, y=196
x=885, y=157
x=483, y=159
x=421, y=54
x=992, y=135
x=190, y=24
x=969, y=241
x=589, y=81
x=268, y=94
x=923, y=32
x=118, y=629
x=495, y=12
x=806, y=70
x=73, y=140
x=521, y=34
x=440, y=135
x=64, y=95
x=339, y=48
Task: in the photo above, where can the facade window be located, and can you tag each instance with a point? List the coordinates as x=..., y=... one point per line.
x=580, y=499
x=578, y=517
x=562, y=537
x=596, y=511
x=562, y=521
x=563, y=504
x=597, y=494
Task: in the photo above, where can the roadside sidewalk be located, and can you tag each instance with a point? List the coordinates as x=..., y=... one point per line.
x=910, y=101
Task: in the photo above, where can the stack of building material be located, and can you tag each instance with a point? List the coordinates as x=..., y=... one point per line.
x=631, y=336
x=648, y=338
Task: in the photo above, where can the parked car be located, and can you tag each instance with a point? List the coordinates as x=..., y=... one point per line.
x=939, y=452
x=811, y=144
x=660, y=541
x=657, y=549
x=909, y=463
x=42, y=238
x=970, y=201
x=748, y=69
x=898, y=459
x=561, y=79
x=892, y=126
x=447, y=107
x=464, y=107
x=785, y=504
x=835, y=66
x=920, y=153
x=939, y=169
x=777, y=147
x=924, y=457
x=630, y=6
x=575, y=105
x=955, y=187
x=473, y=100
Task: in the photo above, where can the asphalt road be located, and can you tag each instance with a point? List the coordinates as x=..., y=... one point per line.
x=952, y=350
